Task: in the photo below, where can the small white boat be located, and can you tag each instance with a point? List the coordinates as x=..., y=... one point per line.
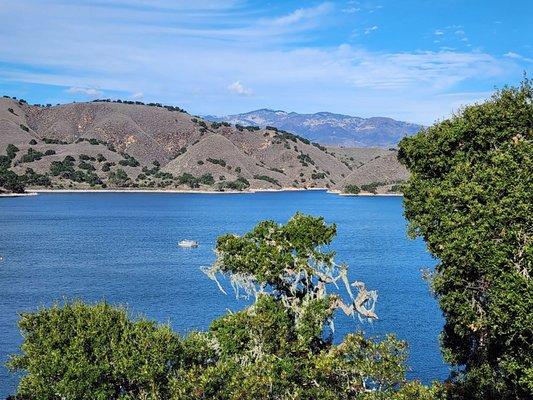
x=188, y=243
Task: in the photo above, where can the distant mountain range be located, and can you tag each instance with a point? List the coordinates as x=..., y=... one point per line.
x=327, y=128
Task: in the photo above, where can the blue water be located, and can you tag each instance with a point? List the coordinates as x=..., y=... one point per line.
x=122, y=248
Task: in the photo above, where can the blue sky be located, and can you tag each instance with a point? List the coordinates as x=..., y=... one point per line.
x=411, y=60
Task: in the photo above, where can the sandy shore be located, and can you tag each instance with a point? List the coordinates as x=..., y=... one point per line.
x=18, y=194
x=176, y=191
x=365, y=194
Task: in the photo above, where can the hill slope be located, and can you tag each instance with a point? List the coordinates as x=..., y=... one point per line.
x=113, y=144
x=328, y=128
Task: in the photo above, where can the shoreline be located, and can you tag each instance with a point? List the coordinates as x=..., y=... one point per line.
x=32, y=193
x=184, y=191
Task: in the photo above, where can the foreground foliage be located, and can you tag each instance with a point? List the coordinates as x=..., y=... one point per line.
x=281, y=347
x=470, y=196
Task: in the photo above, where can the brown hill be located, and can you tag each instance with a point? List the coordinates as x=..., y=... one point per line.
x=112, y=144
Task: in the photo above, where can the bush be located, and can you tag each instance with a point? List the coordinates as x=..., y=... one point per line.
x=470, y=197
x=128, y=161
x=267, y=179
x=86, y=166
x=119, y=178
x=188, y=179
x=49, y=152
x=11, y=151
x=207, y=179
x=32, y=178
x=31, y=155
x=239, y=184
x=11, y=182
x=217, y=161
x=24, y=128
x=352, y=189
x=80, y=351
x=371, y=187
x=33, y=142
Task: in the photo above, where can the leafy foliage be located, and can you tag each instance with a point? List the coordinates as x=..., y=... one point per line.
x=470, y=196
x=93, y=352
x=278, y=348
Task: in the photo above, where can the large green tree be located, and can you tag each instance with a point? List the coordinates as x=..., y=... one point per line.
x=470, y=196
x=280, y=347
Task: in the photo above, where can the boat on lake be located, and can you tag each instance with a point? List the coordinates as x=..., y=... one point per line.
x=188, y=243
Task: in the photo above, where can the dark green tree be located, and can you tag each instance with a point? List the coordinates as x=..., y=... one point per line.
x=470, y=196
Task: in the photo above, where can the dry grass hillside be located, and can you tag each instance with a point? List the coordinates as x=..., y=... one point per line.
x=113, y=144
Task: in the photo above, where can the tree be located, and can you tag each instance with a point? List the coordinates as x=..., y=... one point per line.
x=11, y=151
x=281, y=347
x=79, y=351
x=470, y=196
x=119, y=178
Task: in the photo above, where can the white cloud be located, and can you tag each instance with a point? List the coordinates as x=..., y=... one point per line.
x=137, y=95
x=87, y=91
x=351, y=10
x=371, y=29
x=438, y=32
x=238, y=88
x=516, y=56
x=302, y=14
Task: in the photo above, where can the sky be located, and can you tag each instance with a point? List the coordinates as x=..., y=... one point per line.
x=417, y=61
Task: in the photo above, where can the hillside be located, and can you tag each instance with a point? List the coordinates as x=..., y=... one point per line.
x=328, y=128
x=106, y=144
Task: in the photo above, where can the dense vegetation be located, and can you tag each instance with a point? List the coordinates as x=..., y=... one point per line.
x=280, y=347
x=470, y=196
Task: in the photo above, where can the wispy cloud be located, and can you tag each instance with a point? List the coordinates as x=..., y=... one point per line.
x=238, y=88
x=371, y=29
x=302, y=14
x=516, y=56
x=89, y=92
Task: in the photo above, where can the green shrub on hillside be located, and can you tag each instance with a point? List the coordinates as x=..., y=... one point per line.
x=352, y=189
x=470, y=196
x=267, y=179
x=11, y=151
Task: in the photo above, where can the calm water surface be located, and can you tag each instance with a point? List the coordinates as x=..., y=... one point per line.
x=122, y=248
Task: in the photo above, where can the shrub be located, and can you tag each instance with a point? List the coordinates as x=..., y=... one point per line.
x=188, y=179
x=128, y=161
x=33, y=142
x=352, y=189
x=371, y=187
x=267, y=179
x=24, y=128
x=217, y=161
x=207, y=179
x=11, y=151
x=49, y=152
x=31, y=155
x=11, y=182
x=119, y=178
x=90, y=352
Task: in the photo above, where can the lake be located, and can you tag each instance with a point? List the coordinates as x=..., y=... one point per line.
x=121, y=247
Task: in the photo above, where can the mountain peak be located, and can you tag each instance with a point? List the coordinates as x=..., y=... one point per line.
x=328, y=128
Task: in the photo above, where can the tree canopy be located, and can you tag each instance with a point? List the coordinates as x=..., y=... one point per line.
x=470, y=196
x=280, y=347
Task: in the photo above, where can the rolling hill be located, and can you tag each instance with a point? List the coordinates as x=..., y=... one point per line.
x=105, y=144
